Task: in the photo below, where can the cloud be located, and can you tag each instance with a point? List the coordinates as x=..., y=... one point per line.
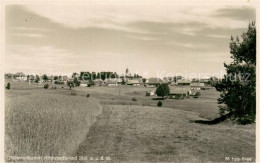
x=218, y=36
x=27, y=34
x=245, y=13
x=191, y=45
x=26, y=29
x=117, y=14
x=103, y=36
x=36, y=59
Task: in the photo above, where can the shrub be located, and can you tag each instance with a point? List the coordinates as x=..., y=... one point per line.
x=88, y=95
x=159, y=104
x=70, y=84
x=197, y=94
x=62, y=87
x=178, y=96
x=73, y=93
x=8, y=86
x=46, y=86
x=91, y=83
x=58, y=82
x=134, y=99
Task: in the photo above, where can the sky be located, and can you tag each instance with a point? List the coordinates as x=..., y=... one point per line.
x=151, y=38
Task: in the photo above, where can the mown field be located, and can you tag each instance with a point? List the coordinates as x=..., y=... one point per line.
x=144, y=133
x=53, y=122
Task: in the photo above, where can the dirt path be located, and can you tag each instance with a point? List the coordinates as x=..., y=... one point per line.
x=138, y=133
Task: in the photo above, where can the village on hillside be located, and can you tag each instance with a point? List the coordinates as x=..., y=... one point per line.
x=183, y=87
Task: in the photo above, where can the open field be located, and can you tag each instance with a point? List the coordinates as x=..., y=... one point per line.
x=126, y=130
x=142, y=133
x=206, y=105
x=40, y=123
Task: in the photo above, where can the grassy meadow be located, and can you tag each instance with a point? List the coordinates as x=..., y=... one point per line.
x=54, y=122
x=41, y=123
x=145, y=133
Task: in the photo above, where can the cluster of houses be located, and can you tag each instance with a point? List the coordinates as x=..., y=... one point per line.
x=194, y=84
x=183, y=87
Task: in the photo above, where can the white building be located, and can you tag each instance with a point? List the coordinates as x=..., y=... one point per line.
x=197, y=86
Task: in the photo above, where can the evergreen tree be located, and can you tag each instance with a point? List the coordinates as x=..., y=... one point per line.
x=238, y=93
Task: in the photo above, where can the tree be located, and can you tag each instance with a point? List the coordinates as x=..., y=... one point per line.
x=238, y=93
x=44, y=77
x=163, y=90
x=46, y=86
x=159, y=104
x=37, y=79
x=70, y=84
x=93, y=76
x=144, y=80
x=8, y=86
x=91, y=83
x=123, y=81
x=56, y=78
x=213, y=81
x=76, y=82
x=74, y=75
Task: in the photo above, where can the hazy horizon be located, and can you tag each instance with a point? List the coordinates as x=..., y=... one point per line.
x=147, y=37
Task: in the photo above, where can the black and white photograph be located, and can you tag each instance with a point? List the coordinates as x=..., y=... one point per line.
x=129, y=81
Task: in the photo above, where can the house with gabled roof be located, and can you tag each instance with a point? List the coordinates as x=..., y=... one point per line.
x=179, y=91
x=111, y=82
x=153, y=82
x=133, y=82
x=197, y=85
x=182, y=82
x=98, y=82
x=84, y=83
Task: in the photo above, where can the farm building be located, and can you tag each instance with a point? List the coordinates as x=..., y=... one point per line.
x=22, y=78
x=204, y=80
x=68, y=79
x=179, y=92
x=31, y=78
x=49, y=78
x=84, y=83
x=133, y=82
x=64, y=78
x=150, y=93
x=195, y=80
x=7, y=76
x=183, y=82
x=168, y=80
x=98, y=82
x=197, y=86
x=153, y=82
x=111, y=82
x=119, y=80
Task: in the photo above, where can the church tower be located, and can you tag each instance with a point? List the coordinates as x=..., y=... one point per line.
x=126, y=71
